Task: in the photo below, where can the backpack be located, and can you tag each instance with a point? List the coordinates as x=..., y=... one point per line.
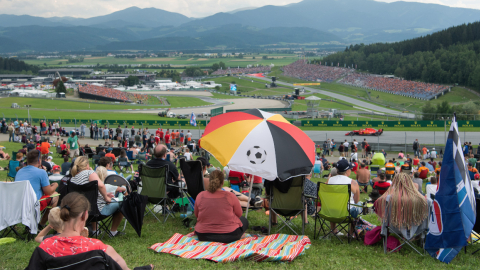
x=415, y=145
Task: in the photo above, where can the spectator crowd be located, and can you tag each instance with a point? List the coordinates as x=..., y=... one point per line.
x=242, y=70
x=310, y=72
x=394, y=85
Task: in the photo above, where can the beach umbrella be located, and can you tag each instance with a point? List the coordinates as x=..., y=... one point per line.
x=133, y=209
x=259, y=143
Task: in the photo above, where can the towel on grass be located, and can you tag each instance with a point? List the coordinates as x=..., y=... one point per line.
x=275, y=247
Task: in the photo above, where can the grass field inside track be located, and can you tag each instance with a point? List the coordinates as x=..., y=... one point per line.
x=324, y=254
x=276, y=59
x=62, y=104
x=246, y=87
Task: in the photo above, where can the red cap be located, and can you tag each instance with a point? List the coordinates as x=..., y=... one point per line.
x=56, y=167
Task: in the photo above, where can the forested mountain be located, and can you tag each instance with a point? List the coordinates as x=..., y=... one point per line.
x=12, y=65
x=449, y=56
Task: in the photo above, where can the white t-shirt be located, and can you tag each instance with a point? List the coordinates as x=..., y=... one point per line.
x=356, y=143
x=342, y=180
x=188, y=156
x=430, y=189
x=353, y=156
x=346, y=144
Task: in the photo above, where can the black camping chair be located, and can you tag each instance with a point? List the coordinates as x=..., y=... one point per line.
x=90, y=191
x=193, y=173
x=476, y=228
x=95, y=259
x=95, y=160
x=119, y=181
x=89, y=152
x=154, y=185
x=289, y=204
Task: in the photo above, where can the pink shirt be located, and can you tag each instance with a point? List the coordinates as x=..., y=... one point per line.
x=217, y=212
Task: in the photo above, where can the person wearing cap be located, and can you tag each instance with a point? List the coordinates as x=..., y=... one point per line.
x=56, y=176
x=381, y=185
x=46, y=164
x=380, y=175
x=422, y=167
x=110, y=154
x=344, y=168
x=50, y=160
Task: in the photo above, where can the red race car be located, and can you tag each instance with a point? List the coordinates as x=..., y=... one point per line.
x=366, y=131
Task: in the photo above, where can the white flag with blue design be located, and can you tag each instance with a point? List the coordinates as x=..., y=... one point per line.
x=193, y=120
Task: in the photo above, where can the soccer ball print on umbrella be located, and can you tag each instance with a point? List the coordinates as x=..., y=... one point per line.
x=259, y=143
x=256, y=155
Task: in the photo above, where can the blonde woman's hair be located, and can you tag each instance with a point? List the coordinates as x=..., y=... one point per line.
x=215, y=181
x=54, y=219
x=102, y=173
x=81, y=164
x=406, y=205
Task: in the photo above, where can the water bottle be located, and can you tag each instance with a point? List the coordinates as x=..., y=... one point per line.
x=120, y=197
x=189, y=213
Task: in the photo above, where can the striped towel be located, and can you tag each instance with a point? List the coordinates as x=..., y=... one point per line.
x=275, y=247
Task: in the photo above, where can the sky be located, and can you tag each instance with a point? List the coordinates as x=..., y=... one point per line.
x=190, y=8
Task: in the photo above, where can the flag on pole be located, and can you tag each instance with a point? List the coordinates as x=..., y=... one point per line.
x=452, y=213
x=193, y=120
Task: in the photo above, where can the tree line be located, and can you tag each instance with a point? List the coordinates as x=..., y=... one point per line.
x=448, y=57
x=443, y=110
x=13, y=65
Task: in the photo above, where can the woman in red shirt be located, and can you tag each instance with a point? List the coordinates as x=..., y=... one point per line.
x=74, y=213
x=218, y=212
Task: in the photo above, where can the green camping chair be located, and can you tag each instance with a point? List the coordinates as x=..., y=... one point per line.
x=154, y=185
x=374, y=169
x=288, y=204
x=335, y=201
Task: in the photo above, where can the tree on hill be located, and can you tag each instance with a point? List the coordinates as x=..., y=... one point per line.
x=130, y=81
x=193, y=72
x=60, y=88
x=222, y=65
x=450, y=56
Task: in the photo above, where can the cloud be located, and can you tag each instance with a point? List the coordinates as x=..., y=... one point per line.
x=191, y=8
x=475, y=4
x=92, y=8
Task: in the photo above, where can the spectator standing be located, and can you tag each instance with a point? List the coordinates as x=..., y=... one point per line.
x=106, y=134
x=167, y=140
x=95, y=131
x=10, y=131
x=82, y=130
x=73, y=145
x=182, y=138
x=424, y=152
x=138, y=139
x=416, y=148
x=364, y=145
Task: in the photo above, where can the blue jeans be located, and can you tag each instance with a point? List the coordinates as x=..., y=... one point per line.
x=169, y=145
x=110, y=209
x=96, y=136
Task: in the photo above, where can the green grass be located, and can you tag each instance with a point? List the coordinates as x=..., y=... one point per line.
x=323, y=254
x=247, y=87
x=78, y=105
x=279, y=60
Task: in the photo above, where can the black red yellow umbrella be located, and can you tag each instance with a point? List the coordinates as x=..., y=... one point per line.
x=259, y=143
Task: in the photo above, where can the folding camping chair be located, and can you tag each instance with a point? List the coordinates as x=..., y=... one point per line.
x=423, y=174
x=130, y=155
x=89, y=152
x=123, y=164
x=193, y=172
x=335, y=201
x=141, y=158
x=289, y=204
x=407, y=236
x=97, y=259
x=12, y=170
x=154, y=185
x=119, y=181
x=374, y=169
x=95, y=160
x=58, y=151
x=476, y=228
x=19, y=194
x=90, y=191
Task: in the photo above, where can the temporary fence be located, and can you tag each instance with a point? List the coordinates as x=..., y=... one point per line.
x=385, y=124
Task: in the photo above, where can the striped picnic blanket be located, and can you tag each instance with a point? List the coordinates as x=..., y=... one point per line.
x=275, y=247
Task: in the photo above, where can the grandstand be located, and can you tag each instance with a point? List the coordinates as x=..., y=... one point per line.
x=395, y=86
x=242, y=70
x=108, y=94
x=309, y=72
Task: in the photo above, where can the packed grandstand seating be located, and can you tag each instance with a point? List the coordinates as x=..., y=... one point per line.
x=112, y=93
x=310, y=72
x=242, y=70
x=395, y=86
